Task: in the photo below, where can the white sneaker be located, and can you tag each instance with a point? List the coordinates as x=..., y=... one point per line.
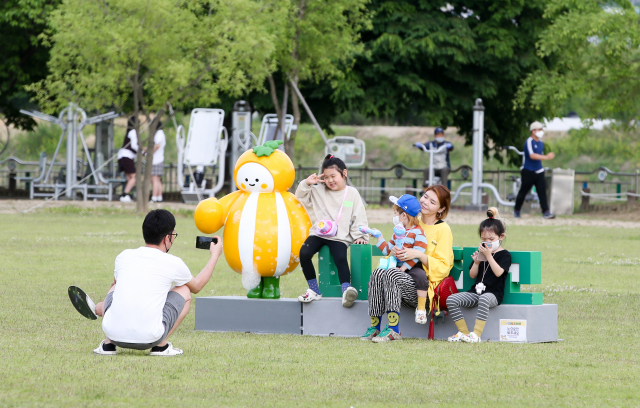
x=456, y=337
x=421, y=316
x=169, y=352
x=349, y=296
x=471, y=338
x=126, y=199
x=309, y=296
x=102, y=352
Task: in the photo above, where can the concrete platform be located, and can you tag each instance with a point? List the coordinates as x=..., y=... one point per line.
x=327, y=317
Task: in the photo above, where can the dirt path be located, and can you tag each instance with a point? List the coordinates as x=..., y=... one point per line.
x=376, y=216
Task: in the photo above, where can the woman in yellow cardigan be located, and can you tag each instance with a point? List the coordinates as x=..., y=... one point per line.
x=397, y=288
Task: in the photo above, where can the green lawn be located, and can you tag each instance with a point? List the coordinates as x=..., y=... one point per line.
x=46, y=346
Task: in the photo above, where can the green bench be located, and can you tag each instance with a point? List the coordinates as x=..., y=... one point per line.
x=526, y=268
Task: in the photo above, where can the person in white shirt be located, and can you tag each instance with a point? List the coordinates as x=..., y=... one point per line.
x=160, y=141
x=151, y=291
x=126, y=157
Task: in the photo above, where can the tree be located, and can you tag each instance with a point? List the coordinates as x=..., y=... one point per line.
x=317, y=41
x=595, y=49
x=427, y=61
x=24, y=57
x=138, y=55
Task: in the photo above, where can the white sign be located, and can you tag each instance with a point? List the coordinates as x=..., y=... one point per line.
x=513, y=330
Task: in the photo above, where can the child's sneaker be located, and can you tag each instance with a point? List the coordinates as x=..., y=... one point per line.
x=309, y=296
x=421, y=316
x=169, y=351
x=456, y=337
x=471, y=338
x=386, y=335
x=111, y=349
x=370, y=334
x=349, y=296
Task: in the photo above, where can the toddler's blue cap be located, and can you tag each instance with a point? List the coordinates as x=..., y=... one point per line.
x=408, y=203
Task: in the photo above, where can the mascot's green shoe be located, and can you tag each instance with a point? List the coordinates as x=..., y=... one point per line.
x=271, y=288
x=256, y=293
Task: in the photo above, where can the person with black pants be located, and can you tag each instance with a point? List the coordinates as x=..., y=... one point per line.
x=532, y=172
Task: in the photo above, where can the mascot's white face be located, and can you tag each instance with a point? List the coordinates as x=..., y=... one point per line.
x=254, y=178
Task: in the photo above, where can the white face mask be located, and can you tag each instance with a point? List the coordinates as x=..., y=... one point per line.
x=439, y=139
x=491, y=245
x=395, y=220
x=540, y=134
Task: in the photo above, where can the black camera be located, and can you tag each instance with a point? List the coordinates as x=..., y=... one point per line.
x=205, y=242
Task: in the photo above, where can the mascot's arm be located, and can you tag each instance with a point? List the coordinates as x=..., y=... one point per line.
x=211, y=213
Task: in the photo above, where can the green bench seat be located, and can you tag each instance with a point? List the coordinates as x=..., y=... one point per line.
x=526, y=268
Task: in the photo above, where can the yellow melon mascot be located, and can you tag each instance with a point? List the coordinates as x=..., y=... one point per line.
x=264, y=225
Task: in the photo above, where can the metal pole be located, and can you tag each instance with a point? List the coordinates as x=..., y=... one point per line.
x=313, y=118
x=71, y=160
x=478, y=146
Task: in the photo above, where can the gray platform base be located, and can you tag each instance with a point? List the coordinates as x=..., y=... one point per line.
x=240, y=314
x=327, y=317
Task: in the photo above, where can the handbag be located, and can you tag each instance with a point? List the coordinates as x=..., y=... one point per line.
x=445, y=288
x=328, y=228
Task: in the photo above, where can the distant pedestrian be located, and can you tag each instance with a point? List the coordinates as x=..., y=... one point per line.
x=441, y=162
x=532, y=172
x=126, y=157
x=160, y=141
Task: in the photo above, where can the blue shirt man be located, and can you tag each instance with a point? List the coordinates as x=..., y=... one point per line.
x=441, y=162
x=532, y=172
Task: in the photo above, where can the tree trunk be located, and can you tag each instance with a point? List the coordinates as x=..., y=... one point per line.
x=295, y=106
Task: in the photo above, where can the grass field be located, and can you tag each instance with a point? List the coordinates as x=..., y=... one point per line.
x=46, y=346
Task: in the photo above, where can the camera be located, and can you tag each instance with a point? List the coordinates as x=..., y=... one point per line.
x=205, y=242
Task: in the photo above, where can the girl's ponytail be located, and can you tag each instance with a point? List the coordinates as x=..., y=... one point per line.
x=493, y=223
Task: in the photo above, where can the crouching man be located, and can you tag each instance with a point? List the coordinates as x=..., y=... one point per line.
x=151, y=291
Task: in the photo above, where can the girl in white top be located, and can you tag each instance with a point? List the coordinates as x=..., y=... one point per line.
x=325, y=198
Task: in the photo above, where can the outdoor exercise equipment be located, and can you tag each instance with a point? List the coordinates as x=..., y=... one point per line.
x=240, y=135
x=269, y=129
x=350, y=150
x=264, y=225
x=476, y=184
x=205, y=146
x=72, y=120
x=432, y=178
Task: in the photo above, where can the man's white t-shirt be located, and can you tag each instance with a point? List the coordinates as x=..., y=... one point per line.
x=144, y=277
x=161, y=140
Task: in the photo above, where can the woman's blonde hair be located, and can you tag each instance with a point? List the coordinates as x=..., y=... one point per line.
x=413, y=221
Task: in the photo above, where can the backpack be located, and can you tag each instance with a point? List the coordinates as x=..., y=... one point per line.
x=445, y=288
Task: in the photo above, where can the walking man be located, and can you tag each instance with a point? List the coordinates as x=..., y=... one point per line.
x=532, y=173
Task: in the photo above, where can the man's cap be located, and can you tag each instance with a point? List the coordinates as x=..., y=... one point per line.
x=438, y=130
x=536, y=125
x=408, y=203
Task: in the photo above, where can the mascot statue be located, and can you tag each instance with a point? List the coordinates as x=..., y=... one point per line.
x=264, y=225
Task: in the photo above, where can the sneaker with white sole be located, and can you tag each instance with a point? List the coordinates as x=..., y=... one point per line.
x=349, y=296
x=456, y=337
x=548, y=216
x=471, y=338
x=126, y=199
x=102, y=352
x=421, y=316
x=169, y=352
x=386, y=335
x=370, y=334
x=309, y=296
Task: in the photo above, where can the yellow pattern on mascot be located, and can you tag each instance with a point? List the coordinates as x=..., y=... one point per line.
x=265, y=226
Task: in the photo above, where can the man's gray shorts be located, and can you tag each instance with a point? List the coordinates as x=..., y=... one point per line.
x=172, y=309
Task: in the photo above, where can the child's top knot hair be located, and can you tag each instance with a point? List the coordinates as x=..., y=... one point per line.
x=332, y=162
x=493, y=223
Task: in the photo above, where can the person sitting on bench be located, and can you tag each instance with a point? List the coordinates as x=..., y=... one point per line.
x=490, y=267
x=151, y=291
